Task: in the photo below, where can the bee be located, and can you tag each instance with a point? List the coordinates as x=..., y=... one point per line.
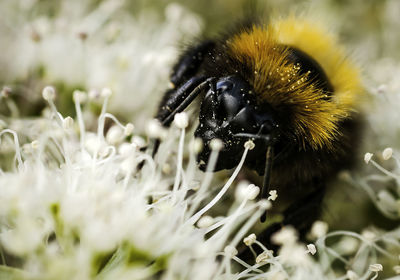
x=287, y=86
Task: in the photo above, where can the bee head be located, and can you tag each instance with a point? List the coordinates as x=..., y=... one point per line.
x=229, y=113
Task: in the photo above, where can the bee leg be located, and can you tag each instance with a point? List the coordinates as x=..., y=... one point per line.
x=179, y=101
x=267, y=174
x=175, y=101
x=175, y=97
x=184, y=74
x=184, y=80
x=189, y=62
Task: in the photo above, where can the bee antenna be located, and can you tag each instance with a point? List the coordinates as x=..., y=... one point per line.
x=267, y=176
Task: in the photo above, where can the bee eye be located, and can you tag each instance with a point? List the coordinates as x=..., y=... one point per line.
x=230, y=97
x=229, y=105
x=244, y=120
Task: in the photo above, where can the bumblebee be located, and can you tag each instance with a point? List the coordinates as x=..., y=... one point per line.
x=290, y=88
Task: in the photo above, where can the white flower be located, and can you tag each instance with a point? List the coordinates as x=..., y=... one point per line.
x=311, y=249
x=205, y=221
x=181, y=120
x=196, y=145
x=387, y=153
x=249, y=240
x=6, y=91
x=230, y=251
x=115, y=135
x=319, y=229
x=35, y=144
x=94, y=94
x=264, y=256
x=352, y=275
x=106, y=92
x=49, y=93
x=376, y=267
x=347, y=245
x=246, y=191
x=155, y=130
x=216, y=144
x=272, y=195
x=368, y=234
x=68, y=122
x=79, y=96
x=367, y=157
x=138, y=141
x=128, y=129
x=287, y=235
x=249, y=145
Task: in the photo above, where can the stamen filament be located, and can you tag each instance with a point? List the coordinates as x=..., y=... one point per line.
x=195, y=217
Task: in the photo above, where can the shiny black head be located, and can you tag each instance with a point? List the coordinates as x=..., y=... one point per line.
x=229, y=112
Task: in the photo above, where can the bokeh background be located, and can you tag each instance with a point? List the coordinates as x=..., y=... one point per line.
x=129, y=46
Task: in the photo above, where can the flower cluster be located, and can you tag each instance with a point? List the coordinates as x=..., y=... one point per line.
x=78, y=204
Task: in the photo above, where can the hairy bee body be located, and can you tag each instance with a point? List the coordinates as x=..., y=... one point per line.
x=288, y=86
